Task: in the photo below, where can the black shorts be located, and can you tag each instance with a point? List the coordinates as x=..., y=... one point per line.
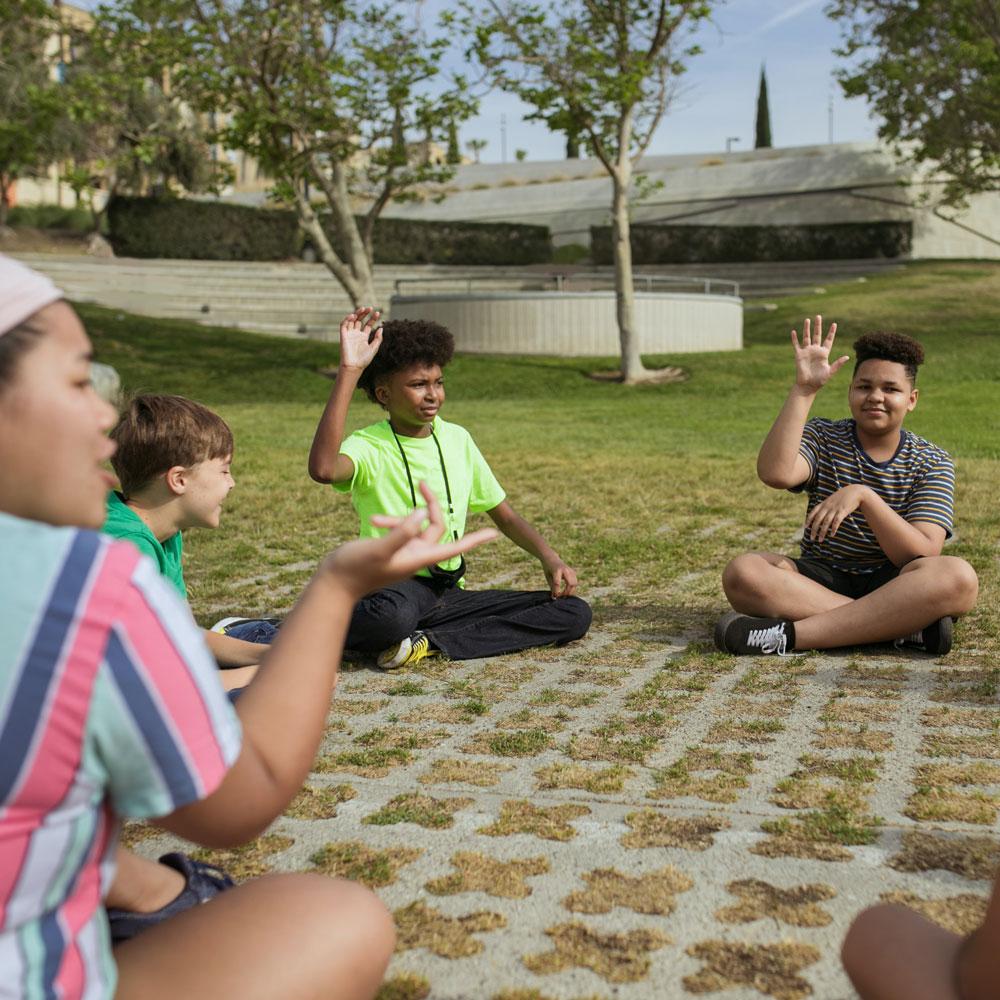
x=853, y=585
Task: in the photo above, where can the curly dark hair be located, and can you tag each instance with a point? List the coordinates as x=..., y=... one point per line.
x=883, y=346
x=407, y=342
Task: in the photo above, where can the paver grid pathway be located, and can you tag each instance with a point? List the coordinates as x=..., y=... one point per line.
x=599, y=820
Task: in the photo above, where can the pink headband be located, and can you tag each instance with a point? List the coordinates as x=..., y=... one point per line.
x=22, y=293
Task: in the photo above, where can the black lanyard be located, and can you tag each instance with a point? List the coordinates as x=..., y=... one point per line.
x=444, y=473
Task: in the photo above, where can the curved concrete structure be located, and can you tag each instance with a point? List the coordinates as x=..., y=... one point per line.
x=578, y=324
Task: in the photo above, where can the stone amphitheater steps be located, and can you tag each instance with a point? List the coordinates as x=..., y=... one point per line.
x=298, y=299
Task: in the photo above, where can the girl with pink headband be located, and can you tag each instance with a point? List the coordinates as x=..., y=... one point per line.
x=110, y=706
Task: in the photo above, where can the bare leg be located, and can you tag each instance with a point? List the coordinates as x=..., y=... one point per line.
x=925, y=590
x=892, y=953
x=298, y=937
x=769, y=585
x=141, y=885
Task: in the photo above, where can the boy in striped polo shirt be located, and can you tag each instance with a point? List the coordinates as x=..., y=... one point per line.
x=879, y=512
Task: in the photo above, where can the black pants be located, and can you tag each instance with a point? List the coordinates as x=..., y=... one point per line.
x=465, y=624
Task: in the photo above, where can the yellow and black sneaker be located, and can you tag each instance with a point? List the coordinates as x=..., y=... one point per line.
x=408, y=653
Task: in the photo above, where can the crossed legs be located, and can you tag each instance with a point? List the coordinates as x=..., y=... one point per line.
x=767, y=584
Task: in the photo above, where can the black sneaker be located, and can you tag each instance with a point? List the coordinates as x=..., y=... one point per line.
x=934, y=638
x=202, y=883
x=746, y=636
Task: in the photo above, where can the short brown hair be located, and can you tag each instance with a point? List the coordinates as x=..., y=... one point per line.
x=155, y=433
x=406, y=342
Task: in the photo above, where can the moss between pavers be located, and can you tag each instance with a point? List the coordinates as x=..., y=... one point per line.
x=550, y=823
x=319, y=801
x=424, y=810
x=356, y=861
x=421, y=926
x=618, y=958
x=796, y=906
x=771, y=969
x=476, y=872
x=654, y=893
x=248, y=860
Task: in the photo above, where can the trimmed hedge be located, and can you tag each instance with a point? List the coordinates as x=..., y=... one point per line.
x=655, y=244
x=200, y=230
x=208, y=230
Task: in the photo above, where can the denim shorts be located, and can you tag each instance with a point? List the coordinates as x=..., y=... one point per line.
x=853, y=585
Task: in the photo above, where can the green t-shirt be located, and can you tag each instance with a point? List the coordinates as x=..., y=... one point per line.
x=380, y=486
x=123, y=522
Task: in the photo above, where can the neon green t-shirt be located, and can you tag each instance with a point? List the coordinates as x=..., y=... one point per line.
x=380, y=486
x=123, y=522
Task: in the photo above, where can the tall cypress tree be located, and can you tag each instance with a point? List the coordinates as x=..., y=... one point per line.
x=762, y=129
x=454, y=154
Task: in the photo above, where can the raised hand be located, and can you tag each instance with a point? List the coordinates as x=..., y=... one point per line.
x=812, y=356
x=370, y=564
x=360, y=337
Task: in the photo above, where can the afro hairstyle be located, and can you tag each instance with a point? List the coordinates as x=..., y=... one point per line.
x=882, y=346
x=406, y=342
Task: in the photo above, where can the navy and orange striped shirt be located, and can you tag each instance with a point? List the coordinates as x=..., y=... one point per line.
x=918, y=483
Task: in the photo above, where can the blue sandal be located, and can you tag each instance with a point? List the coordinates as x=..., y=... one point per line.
x=202, y=883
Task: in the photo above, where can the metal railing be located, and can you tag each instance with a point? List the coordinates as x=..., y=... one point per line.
x=532, y=281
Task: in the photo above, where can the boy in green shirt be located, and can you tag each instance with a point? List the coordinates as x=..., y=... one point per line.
x=173, y=463
x=399, y=366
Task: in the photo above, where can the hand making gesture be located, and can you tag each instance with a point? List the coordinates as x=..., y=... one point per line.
x=360, y=337
x=812, y=357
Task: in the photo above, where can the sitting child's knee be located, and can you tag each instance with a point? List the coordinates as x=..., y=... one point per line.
x=960, y=583
x=579, y=616
x=740, y=575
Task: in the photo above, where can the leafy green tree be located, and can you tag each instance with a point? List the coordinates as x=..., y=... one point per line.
x=931, y=72
x=327, y=95
x=476, y=146
x=604, y=71
x=762, y=126
x=30, y=105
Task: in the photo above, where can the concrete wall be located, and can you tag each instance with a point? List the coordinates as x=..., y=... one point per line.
x=578, y=324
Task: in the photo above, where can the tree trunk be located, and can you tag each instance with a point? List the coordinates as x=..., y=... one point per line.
x=632, y=366
x=4, y=206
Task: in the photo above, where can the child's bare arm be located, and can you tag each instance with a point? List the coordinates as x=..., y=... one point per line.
x=779, y=463
x=561, y=578
x=232, y=652
x=360, y=337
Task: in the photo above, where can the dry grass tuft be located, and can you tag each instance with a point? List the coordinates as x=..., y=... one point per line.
x=476, y=872
x=862, y=738
x=356, y=861
x=971, y=718
x=706, y=774
x=654, y=893
x=610, y=779
x=469, y=772
x=424, y=810
x=405, y=986
x=248, y=860
x=960, y=914
x=550, y=823
x=971, y=857
x=319, y=801
x=618, y=958
x=420, y=926
x=771, y=969
x=653, y=829
x=759, y=900
x=947, y=745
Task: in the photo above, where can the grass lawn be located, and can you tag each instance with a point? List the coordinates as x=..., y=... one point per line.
x=646, y=491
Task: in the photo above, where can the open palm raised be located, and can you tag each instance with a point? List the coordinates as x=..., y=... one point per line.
x=360, y=337
x=812, y=356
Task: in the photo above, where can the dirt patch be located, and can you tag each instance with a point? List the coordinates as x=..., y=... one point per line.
x=946, y=745
x=797, y=906
x=771, y=969
x=959, y=914
x=654, y=893
x=550, y=823
x=844, y=738
x=248, y=860
x=971, y=718
x=971, y=857
x=609, y=779
x=653, y=829
x=424, y=810
x=471, y=772
x=421, y=926
x=319, y=801
x=356, y=861
x=618, y=958
x=405, y=986
x=480, y=873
